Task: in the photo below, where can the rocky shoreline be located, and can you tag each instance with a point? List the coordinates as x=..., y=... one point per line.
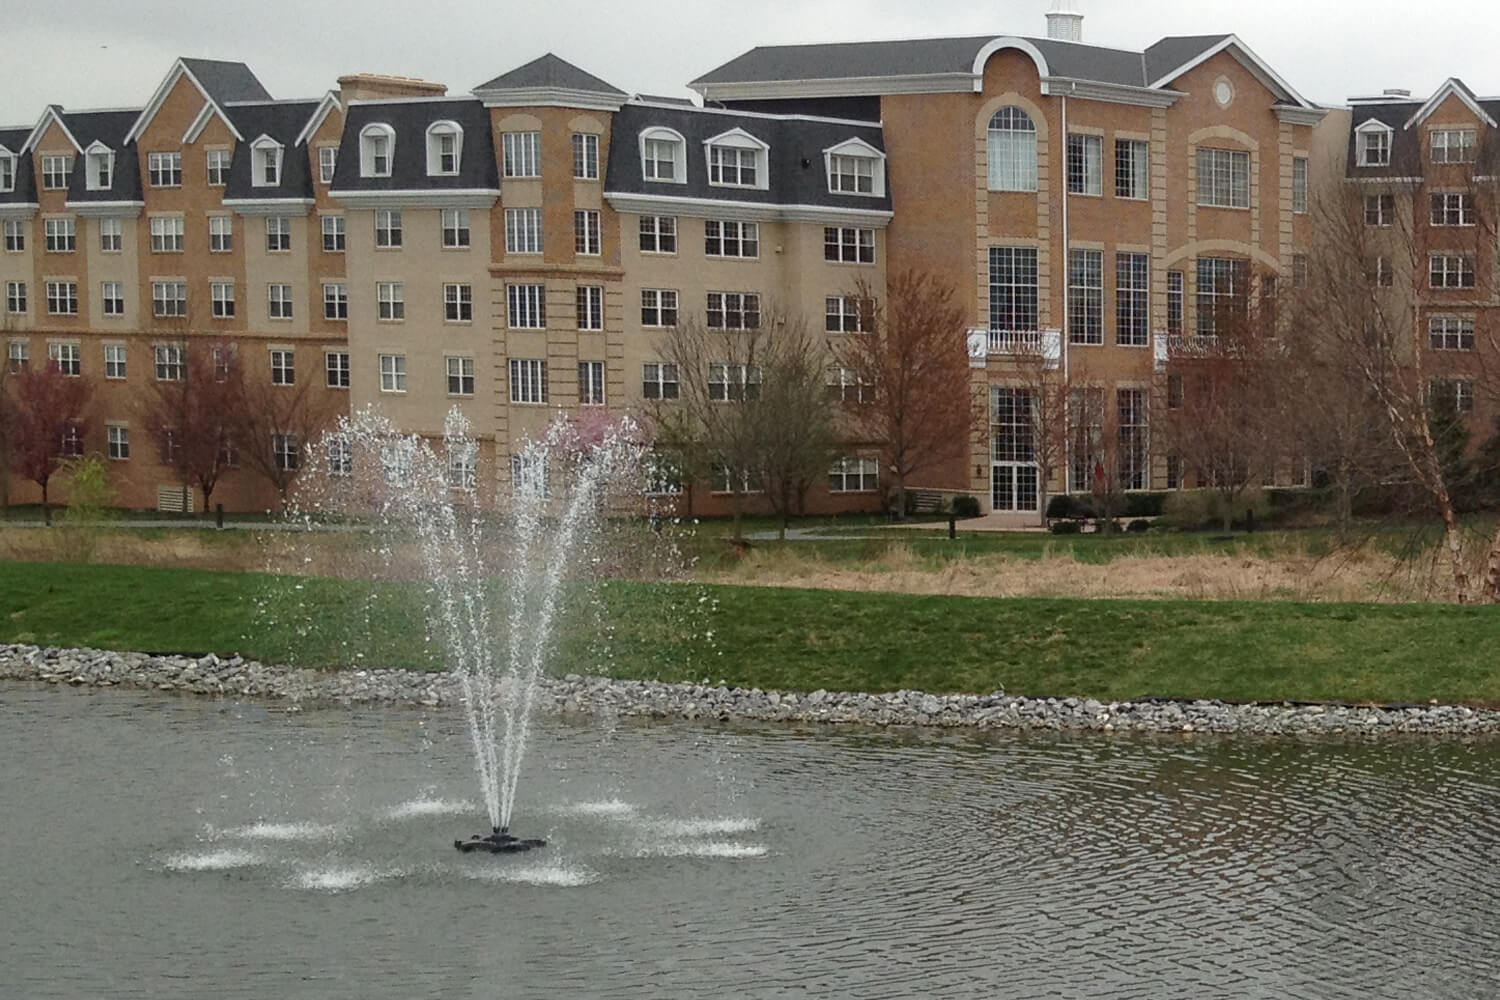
x=236, y=677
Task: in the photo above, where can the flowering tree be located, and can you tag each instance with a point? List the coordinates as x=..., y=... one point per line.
x=44, y=416
x=192, y=417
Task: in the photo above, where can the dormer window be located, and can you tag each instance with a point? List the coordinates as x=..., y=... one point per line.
x=265, y=160
x=855, y=167
x=738, y=159
x=1373, y=141
x=444, y=146
x=377, y=143
x=7, y=170
x=101, y=167
x=663, y=156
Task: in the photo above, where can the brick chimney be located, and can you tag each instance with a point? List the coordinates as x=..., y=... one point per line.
x=1065, y=21
x=375, y=86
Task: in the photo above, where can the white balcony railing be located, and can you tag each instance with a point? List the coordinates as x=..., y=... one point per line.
x=1015, y=341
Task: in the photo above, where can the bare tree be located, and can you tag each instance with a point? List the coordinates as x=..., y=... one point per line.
x=278, y=423
x=794, y=418
x=45, y=413
x=192, y=417
x=1043, y=393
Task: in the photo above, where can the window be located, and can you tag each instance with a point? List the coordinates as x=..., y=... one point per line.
x=218, y=167
x=390, y=300
x=843, y=385
x=731, y=166
x=100, y=168
x=851, y=174
x=15, y=236
x=663, y=475
x=658, y=307
x=1455, y=393
x=1451, y=270
x=527, y=306
x=278, y=234
x=7, y=172
x=221, y=294
x=463, y=466
x=168, y=298
x=1132, y=169
x=1013, y=474
x=1085, y=164
x=659, y=380
x=658, y=234
x=523, y=156
x=1012, y=151
x=18, y=355
x=392, y=373
x=445, y=141
x=265, y=163
x=1451, y=333
x=854, y=475
x=458, y=303
x=1374, y=144
x=1379, y=271
x=224, y=361
x=528, y=381
x=166, y=234
x=328, y=159
x=528, y=474
x=591, y=383
x=66, y=358
x=220, y=234
x=663, y=156
x=169, y=358
x=1299, y=185
x=333, y=233
x=1085, y=420
x=1223, y=178
x=164, y=169
x=114, y=360
x=15, y=297
x=1380, y=209
x=455, y=228
x=1299, y=272
x=590, y=307
x=1085, y=297
x=1453, y=208
x=586, y=232
x=335, y=300
x=1132, y=288
x=285, y=451
x=1130, y=409
x=849, y=245
x=112, y=298
x=62, y=235
x=1013, y=288
x=283, y=368
x=523, y=230
x=336, y=369
x=1223, y=288
x=376, y=145
x=460, y=376
x=725, y=479
x=340, y=454
x=733, y=311
x=72, y=441
x=388, y=228
x=1455, y=145
x=279, y=300
x=111, y=235
x=585, y=156
x=62, y=298
x=847, y=314
x=56, y=169
x=729, y=381
x=118, y=439
x=734, y=239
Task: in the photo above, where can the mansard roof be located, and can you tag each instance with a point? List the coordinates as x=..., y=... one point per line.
x=13, y=139
x=410, y=119
x=226, y=82
x=109, y=129
x=1403, y=118
x=548, y=74
x=282, y=121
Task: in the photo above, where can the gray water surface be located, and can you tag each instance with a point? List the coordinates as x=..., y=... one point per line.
x=167, y=848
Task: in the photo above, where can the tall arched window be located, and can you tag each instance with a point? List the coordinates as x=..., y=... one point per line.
x=1012, y=150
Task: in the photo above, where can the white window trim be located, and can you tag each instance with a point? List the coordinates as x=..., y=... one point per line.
x=262, y=151
x=90, y=174
x=367, y=154
x=679, y=154
x=434, y=153
x=738, y=138
x=858, y=148
x=15, y=165
x=1359, y=146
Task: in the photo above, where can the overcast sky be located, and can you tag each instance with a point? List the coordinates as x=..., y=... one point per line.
x=113, y=53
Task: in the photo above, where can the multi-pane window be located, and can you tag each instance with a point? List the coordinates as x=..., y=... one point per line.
x=285, y=451
x=1299, y=184
x=1448, y=270
x=168, y=298
x=392, y=372
x=167, y=233
x=526, y=306
x=847, y=314
x=1223, y=289
x=15, y=235
x=375, y=151
x=460, y=376
x=328, y=159
x=66, y=358
x=732, y=239
x=1132, y=168
x=733, y=311
x=390, y=300
x=336, y=369
x=585, y=156
x=1453, y=208
x=7, y=172
x=1380, y=209
x=1378, y=269
x=658, y=307
x=659, y=380
x=218, y=167
x=1453, y=393
x=442, y=151
x=1085, y=296
x=18, y=356
x=851, y=174
x=1451, y=333
x=224, y=359
x=388, y=227
x=849, y=244
x=72, y=441
x=1454, y=145
x=732, y=166
x=463, y=466
x=523, y=230
x=522, y=154
x=15, y=297
x=659, y=159
x=1132, y=290
x=1130, y=409
x=335, y=300
x=100, y=170
x=283, y=368
x=658, y=234
x=590, y=299
x=458, y=303
x=1012, y=420
x=266, y=160
x=1012, y=151
x=730, y=381
x=591, y=383
x=1299, y=273
x=279, y=300
x=111, y=235
x=278, y=233
x=164, y=169
x=586, y=232
x=528, y=474
x=114, y=360
x=725, y=478
x=1086, y=432
x=56, y=170
x=118, y=439
x=62, y=235
x=854, y=475
x=112, y=298
x=333, y=233
x=340, y=454
x=62, y=298
x=843, y=385
x=455, y=228
x=220, y=233
x=221, y=294
x=1223, y=178
x=528, y=380
x=1013, y=288
x=1085, y=164
x=169, y=362
x=1374, y=147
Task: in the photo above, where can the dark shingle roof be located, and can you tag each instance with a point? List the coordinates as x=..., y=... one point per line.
x=410, y=120
x=282, y=121
x=550, y=71
x=227, y=81
x=1170, y=53
x=25, y=187
x=110, y=128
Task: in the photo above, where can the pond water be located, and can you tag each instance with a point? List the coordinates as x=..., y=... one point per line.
x=170, y=848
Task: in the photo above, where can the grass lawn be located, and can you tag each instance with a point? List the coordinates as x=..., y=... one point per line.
x=804, y=639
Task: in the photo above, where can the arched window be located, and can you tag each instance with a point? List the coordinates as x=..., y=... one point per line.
x=444, y=146
x=1012, y=150
x=377, y=143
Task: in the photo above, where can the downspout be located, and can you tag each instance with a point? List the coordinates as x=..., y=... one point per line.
x=1063, y=326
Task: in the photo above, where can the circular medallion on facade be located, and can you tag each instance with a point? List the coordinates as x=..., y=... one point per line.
x=1223, y=92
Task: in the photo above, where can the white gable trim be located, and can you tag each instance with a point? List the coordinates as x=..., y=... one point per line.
x=1249, y=59
x=737, y=137
x=1373, y=125
x=49, y=115
x=178, y=71
x=199, y=124
x=325, y=107
x=1450, y=87
x=1007, y=42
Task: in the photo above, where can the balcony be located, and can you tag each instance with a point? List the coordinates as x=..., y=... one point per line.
x=1014, y=341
